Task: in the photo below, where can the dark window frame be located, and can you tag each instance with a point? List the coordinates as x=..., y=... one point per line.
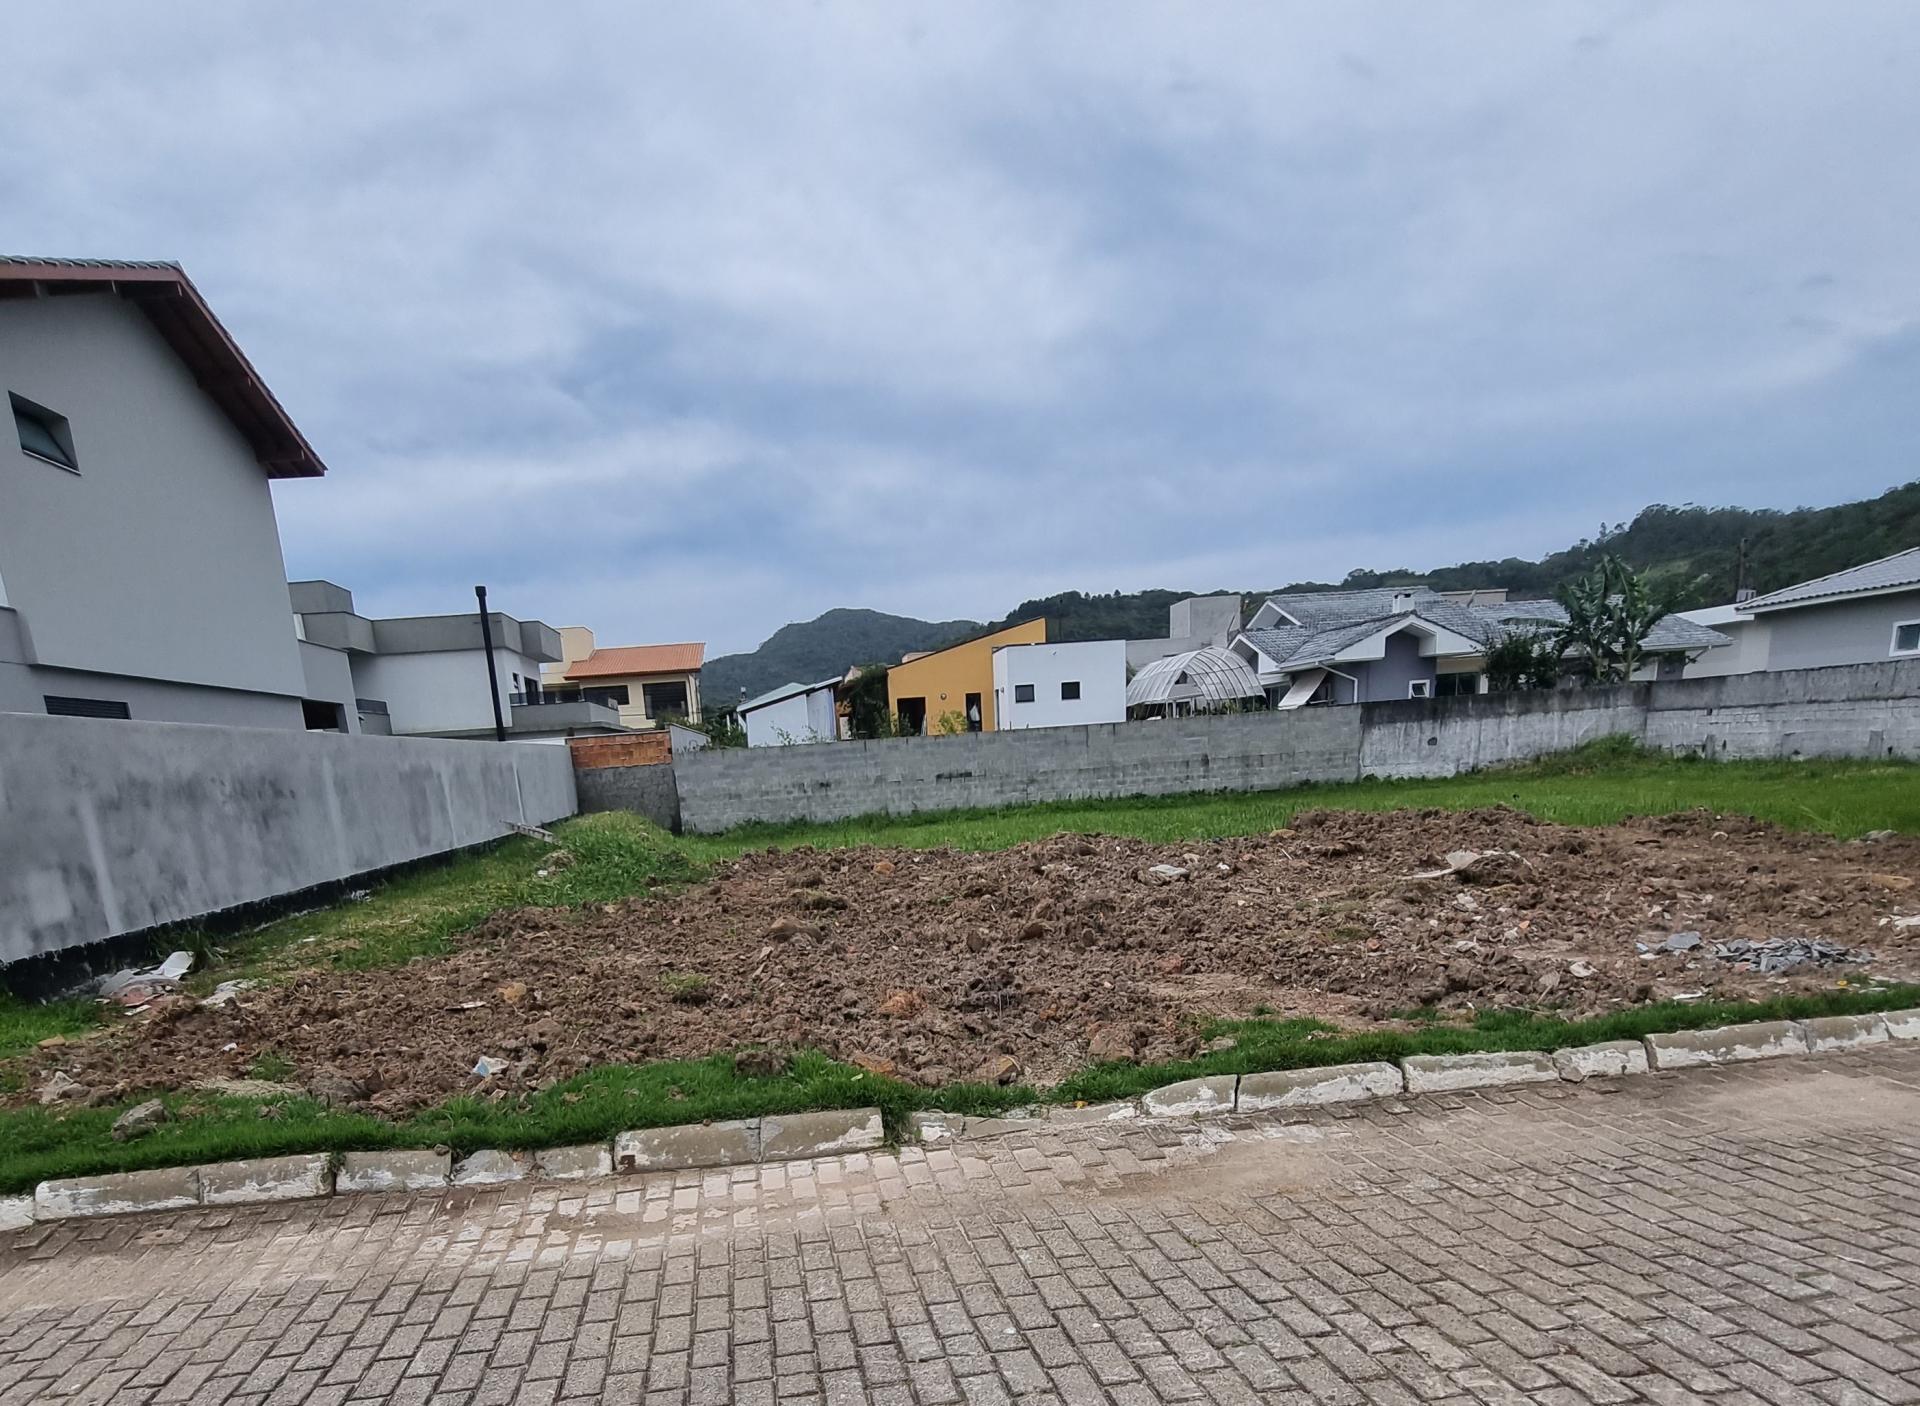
x=62, y=705
x=1023, y=693
x=52, y=424
x=647, y=691
x=1066, y=684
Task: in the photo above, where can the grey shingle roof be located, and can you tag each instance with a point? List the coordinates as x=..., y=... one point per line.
x=1333, y=620
x=1900, y=569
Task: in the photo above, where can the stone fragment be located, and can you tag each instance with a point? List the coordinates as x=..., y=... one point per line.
x=1191, y=1097
x=61, y=1087
x=262, y=1179
x=997, y=1069
x=139, y=1120
x=121, y=1193
x=491, y=1166
x=395, y=1170
x=1840, y=1032
x=826, y=1134
x=593, y=1159
x=1728, y=1044
x=1301, y=1088
x=1609, y=1059
x=1430, y=1074
x=1902, y=1025
x=936, y=1127
x=1118, y=1111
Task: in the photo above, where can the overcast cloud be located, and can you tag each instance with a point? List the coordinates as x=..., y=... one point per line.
x=687, y=321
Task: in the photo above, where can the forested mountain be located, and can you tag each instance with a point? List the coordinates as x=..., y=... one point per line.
x=821, y=648
x=1694, y=550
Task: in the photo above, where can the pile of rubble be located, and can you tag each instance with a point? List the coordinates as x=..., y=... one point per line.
x=1786, y=953
x=1779, y=954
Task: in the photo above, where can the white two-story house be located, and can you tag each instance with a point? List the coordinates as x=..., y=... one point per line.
x=140, y=565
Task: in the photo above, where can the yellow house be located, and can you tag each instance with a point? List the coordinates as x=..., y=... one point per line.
x=955, y=683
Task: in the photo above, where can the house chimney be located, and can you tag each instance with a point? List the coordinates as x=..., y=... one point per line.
x=1402, y=602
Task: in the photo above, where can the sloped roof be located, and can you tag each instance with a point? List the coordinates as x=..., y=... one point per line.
x=1669, y=632
x=638, y=659
x=786, y=690
x=1335, y=620
x=1870, y=578
x=174, y=306
x=1201, y=675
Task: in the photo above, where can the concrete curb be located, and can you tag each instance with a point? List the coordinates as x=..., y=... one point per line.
x=1442, y=1074
x=786, y=1137
x=1728, y=1044
x=1303, y=1088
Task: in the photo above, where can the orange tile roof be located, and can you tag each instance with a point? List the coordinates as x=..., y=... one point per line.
x=638, y=659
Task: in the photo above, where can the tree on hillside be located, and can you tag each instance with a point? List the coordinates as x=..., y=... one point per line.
x=1609, y=613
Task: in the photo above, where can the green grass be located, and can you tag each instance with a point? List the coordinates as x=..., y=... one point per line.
x=614, y=856
x=37, y=1144
x=617, y=856
x=24, y=1024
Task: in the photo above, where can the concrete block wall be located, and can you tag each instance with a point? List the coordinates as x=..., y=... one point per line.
x=1868, y=710
x=649, y=789
x=109, y=827
x=833, y=781
x=1853, y=710
x=1445, y=736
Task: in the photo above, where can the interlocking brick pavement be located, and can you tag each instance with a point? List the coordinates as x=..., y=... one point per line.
x=1740, y=1237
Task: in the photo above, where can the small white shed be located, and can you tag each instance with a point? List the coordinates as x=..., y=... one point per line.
x=795, y=712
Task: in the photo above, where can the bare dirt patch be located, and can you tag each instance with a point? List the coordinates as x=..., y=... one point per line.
x=938, y=965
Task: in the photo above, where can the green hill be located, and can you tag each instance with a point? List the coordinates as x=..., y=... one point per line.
x=1696, y=550
x=822, y=648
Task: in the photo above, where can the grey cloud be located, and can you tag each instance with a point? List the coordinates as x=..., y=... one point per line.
x=692, y=320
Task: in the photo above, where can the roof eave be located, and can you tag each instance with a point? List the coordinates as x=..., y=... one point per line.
x=168, y=298
x=1758, y=607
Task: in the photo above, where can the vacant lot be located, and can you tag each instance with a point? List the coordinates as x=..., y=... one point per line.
x=1032, y=961
x=533, y=995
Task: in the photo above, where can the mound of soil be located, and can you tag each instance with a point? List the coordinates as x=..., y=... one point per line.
x=938, y=965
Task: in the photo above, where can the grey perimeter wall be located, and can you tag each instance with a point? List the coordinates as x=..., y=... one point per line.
x=109, y=827
x=1863, y=710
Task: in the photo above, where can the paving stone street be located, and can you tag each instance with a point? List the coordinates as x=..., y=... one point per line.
x=1732, y=1236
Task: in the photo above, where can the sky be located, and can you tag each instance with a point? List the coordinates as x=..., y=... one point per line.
x=688, y=321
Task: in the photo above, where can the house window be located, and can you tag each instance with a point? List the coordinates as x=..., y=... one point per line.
x=86, y=707
x=43, y=434
x=1456, y=685
x=1070, y=691
x=1023, y=693
x=1906, y=637
x=1419, y=688
x=612, y=695
x=664, y=699
x=321, y=716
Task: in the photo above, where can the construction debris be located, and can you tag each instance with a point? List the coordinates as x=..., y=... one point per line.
x=136, y=989
x=1785, y=953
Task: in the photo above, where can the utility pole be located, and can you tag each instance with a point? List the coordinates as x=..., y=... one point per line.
x=493, y=675
x=1740, y=591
